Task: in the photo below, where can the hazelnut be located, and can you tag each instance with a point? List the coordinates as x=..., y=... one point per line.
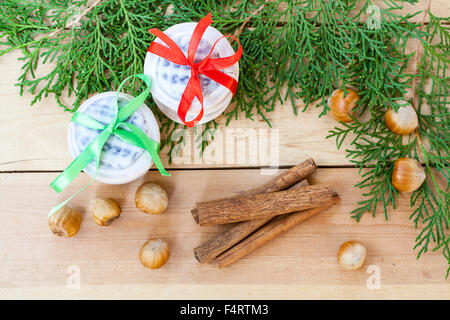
x=351, y=255
x=65, y=222
x=104, y=211
x=151, y=198
x=154, y=253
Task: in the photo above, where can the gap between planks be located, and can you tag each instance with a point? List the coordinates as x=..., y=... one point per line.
x=283, y=167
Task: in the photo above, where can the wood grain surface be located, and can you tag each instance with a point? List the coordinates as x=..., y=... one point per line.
x=301, y=263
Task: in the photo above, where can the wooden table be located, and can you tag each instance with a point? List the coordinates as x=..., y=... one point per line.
x=299, y=264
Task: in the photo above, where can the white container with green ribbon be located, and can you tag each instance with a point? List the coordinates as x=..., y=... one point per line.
x=120, y=161
x=114, y=138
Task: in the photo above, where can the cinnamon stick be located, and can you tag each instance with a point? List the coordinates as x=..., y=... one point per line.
x=280, y=182
x=287, y=178
x=271, y=230
x=262, y=205
x=210, y=249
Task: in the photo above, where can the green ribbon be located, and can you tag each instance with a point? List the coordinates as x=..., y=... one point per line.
x=117, y=127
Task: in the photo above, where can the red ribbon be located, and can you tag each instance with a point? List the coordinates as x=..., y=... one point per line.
x=208, y=67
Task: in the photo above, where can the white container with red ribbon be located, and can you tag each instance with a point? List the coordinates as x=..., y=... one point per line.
x=188, y=63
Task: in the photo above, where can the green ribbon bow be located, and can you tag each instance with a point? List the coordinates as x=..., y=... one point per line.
x=133, y=135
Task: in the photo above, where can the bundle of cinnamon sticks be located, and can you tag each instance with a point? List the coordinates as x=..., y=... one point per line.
x=261, y=214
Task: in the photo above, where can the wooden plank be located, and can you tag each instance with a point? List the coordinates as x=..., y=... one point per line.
x=34, y=138
x=439, y=8
x=301, y=263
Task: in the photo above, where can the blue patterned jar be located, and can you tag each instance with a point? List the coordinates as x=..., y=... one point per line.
x=120, y=162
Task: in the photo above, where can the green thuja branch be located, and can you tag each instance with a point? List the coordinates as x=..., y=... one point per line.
x=432, y=199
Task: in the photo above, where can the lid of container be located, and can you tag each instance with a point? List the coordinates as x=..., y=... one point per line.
x=169, y=80
x=120, y=162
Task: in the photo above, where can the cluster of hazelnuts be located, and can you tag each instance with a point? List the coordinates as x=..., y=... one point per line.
x=408, y=174
x=150, y=198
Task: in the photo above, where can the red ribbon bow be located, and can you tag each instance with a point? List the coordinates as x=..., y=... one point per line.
x=208, y=67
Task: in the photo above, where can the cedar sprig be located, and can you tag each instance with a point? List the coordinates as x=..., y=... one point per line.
x=432, y=199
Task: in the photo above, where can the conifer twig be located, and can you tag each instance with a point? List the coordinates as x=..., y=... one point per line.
x=77, y=19
x=254, y=13
x=417, y=55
